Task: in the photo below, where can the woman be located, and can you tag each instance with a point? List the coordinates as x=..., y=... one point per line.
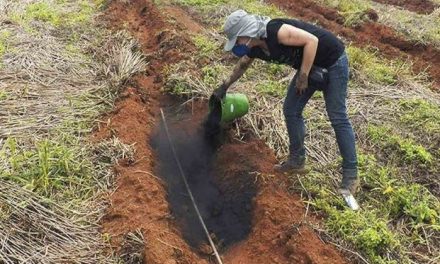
x=321, y=63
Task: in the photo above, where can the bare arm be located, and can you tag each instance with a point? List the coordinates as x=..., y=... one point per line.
x=292, y=36
x=239, y=69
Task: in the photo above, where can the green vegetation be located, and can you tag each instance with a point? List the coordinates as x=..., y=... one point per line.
x=4, y=35
x=353, y=11
x=202, y=2
x=86, y=10
x=45, y=122
x=372, y=230
x=407, y=148
x=250, y=6
x=44, y=12
x=206, y=47
x=421, y=114
x=379, y=70
x=58, y=15
x=49, y=167
x=271, y=87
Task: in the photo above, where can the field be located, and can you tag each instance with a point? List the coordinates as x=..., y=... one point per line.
x=87, y=174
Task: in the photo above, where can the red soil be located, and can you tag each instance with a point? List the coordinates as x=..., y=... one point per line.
x=418, y=6
x=279, y=233
x=386, y=39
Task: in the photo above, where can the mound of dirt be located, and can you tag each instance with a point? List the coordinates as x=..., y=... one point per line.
x=418, y=6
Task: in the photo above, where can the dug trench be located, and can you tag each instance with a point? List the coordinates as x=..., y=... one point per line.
x=223, y=197
x=250, y=213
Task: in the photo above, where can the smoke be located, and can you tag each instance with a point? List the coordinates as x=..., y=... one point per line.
x=226, y=211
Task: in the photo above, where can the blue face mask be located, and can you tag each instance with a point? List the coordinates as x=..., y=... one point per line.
x=241, y=49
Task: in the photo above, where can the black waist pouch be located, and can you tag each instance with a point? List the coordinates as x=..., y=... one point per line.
x=318, y=77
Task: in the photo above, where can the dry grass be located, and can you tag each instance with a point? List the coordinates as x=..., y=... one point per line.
x=421, y=28
x=37, y=230
x=56, y=79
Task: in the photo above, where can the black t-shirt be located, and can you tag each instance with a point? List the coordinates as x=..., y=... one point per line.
x=330, y=48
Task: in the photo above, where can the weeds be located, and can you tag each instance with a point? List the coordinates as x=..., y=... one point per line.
x=421, y=114
x=407, y=148
x=4, y=35
x=354, y=12
x=379, y=70
x=44, y=12
x=206, y=47
x=272, y=88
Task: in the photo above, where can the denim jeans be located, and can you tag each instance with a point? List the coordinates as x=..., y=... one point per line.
x=335, y=97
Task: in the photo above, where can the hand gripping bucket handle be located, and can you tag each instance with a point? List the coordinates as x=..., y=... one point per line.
x=233, y=105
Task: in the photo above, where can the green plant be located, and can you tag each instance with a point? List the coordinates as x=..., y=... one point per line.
x=415, y=201
x=86, y=10
x=205, y=46
x=44, y=12
x=47, y=167
x=379, y=70
x=353, y=11
x=410, y=151
x=420, y=114
x=271, y=87
x=4, y=35
x=202, y=2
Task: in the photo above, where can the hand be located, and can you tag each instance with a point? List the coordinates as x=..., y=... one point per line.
x=302, y=83
x=220, y=92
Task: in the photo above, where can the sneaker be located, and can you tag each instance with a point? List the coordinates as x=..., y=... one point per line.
x=292, y=166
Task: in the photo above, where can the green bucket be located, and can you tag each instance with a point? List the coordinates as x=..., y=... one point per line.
x=233, y=105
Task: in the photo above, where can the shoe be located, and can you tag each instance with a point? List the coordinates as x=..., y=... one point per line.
x=349, y=185
x=293, y=166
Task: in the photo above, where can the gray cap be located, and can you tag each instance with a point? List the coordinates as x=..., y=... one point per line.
x=240, y=23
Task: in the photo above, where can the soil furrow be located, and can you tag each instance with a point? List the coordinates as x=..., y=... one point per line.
x=418, y=6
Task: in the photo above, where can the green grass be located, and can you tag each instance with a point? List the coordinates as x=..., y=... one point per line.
x=58, y=165
x=4, y=36
x=48, y=167
x=205, y=46
x=85, y=13
x=421, y=114
x=417, y=27
x=44, y=12
x=271, y=87
x=250, y=6
x=407, y=149
x=55, y=15
x=353, y=11
x=369, y=63
x=201, y=3
x=372, y=230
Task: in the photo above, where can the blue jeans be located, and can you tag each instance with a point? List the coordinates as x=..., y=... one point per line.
x=335, y=96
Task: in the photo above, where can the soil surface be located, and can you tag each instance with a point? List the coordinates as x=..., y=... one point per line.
x=387, y=40
x=418, y=6
x=272, y=222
